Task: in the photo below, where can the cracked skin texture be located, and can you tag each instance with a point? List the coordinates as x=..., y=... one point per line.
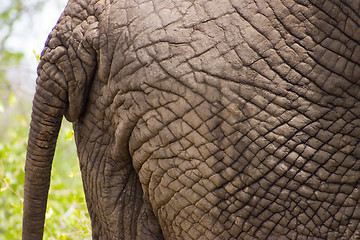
x=222, y=119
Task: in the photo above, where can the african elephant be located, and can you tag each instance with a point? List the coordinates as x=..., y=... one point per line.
x=199, y=119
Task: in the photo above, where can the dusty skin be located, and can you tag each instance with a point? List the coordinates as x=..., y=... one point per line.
x=222, y=119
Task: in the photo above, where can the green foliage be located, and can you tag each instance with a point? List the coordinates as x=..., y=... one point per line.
x=12, y=155
x=67, y=216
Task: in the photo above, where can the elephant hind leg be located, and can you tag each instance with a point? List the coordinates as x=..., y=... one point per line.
x=113, y=191
x=117, y=207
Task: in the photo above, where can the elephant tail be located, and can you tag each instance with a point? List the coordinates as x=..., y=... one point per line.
x=44, y=128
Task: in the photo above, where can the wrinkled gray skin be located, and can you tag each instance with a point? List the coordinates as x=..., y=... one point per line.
x=223, y=119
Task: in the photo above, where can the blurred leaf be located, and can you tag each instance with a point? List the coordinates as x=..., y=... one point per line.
x=74, y=174
x=37, y=56
x=7, y=180
x=63, y=237
x=70, y=136
x=12, y=99
x=10, y=58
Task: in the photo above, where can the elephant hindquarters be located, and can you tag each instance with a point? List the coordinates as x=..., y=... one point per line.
x=212, y=172
x=189, y=170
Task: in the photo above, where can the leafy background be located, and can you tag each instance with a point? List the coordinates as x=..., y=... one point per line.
x=67, y=216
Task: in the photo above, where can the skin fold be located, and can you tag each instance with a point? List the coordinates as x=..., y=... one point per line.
x=222, y=119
